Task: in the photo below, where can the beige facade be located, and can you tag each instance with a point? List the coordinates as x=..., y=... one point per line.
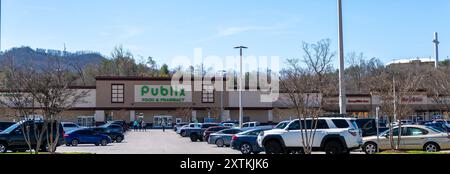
x=224, y=105
x=131, y=98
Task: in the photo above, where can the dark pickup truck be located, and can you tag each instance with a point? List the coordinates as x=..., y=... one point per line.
x=196, y=134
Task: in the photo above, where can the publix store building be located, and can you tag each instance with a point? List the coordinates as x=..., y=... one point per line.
x=156, y=101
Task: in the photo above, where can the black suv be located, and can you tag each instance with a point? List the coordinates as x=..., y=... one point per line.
x=13, y=138
x=115, y=136
x=121, y=123
x=5, y=125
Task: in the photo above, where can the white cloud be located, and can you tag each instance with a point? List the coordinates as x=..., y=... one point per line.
x=238, y=30
x=121, y=32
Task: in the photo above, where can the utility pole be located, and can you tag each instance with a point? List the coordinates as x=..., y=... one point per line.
x=241, y=109
x=1, y=26
x=436, y=49
x=342, y=93
x=395, y=98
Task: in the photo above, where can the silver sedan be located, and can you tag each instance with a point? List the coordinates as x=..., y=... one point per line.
x=413, y=137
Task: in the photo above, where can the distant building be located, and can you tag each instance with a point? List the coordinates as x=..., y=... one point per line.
x=412, y=63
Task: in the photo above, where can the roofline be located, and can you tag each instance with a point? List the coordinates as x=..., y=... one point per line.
x=137, y=78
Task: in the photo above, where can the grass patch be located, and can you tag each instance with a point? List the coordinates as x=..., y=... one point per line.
x=46, y=153
x=412, y=153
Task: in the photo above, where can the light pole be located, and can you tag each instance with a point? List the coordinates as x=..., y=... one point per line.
x=378, y=128
x=241, y=109
x=223, y=76
x=0, y=26
x=342, y=94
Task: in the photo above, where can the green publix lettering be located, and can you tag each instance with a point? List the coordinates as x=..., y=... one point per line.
x=163, y=91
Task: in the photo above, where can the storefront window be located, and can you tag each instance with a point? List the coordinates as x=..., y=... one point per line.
x=359, y=114
x=86, y=121
x=208, y=94
x=117, y=93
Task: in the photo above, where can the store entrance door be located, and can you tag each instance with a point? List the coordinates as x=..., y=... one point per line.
x=159, y=121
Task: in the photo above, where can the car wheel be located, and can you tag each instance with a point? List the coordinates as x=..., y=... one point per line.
x=74, y=142
x=246, y=148
x=104, y=142
x=370, y=148
x=273, y=147
x=96, y=144
x=334, y=148
x=220, y=143
x=193, y=137
x=67, y=144
x=183, y=133
x=119, y=139
x=3, y=148
x=431, y=147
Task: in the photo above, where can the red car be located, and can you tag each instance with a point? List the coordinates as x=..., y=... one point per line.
x=211, y=130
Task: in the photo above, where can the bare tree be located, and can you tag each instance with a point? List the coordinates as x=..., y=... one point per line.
x=21, y=104
x=437, y=85
x=47, y=89
x=397, y=90
x=184, y=113
x=318, y=57
x=305, y=92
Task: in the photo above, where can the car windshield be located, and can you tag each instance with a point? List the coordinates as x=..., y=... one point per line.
x=355, y=124
x=11, y=128
x=282, y=125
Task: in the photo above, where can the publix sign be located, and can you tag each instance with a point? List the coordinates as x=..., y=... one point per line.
x=162, y=94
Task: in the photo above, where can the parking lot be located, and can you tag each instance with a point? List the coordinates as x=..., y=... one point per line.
x=156, y=142
x=151, y=142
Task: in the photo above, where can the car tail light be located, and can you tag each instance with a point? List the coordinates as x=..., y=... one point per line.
x=65, y=135
x=353, y=132
x=234, y=138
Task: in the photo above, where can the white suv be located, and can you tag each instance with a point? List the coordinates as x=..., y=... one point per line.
x=333, y=136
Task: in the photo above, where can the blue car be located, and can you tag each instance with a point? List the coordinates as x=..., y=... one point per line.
x=440, y=126
x=86, y=136
x=223, y=137
x=246, y=142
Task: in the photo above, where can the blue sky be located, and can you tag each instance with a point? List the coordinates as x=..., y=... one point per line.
x=163, y=29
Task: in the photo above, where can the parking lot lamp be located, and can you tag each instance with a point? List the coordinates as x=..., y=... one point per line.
x=241, y=109
x=342, y=93
x=378, y=128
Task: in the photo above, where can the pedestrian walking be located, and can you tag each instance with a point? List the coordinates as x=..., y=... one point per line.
x=163, y=123
x=143, y=125
x=135, y=125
